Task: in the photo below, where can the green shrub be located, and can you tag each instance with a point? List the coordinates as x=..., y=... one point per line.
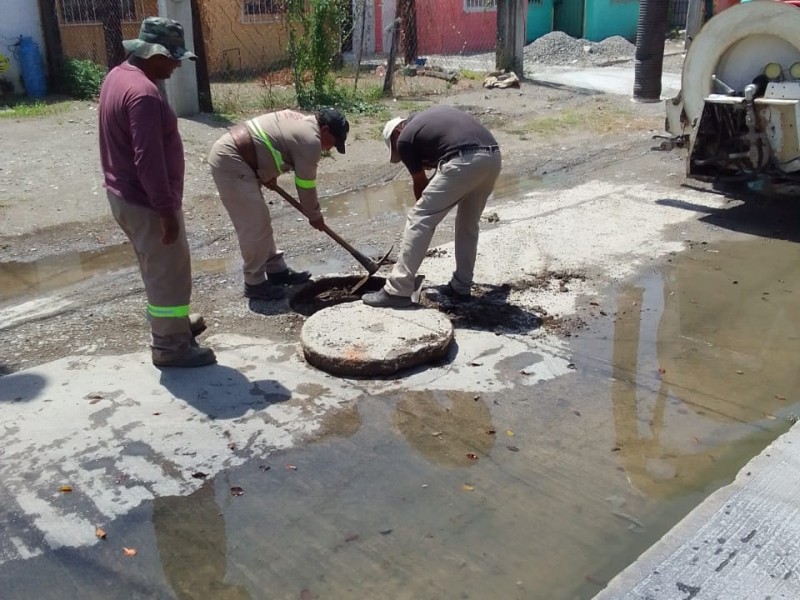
x=314, y=30
x=83, y=78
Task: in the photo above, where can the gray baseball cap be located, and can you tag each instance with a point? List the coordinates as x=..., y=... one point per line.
x=159, y=35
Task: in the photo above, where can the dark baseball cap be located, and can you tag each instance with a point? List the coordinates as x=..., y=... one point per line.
x=337, y=124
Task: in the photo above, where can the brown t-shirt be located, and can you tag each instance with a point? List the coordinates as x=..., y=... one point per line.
x=432, y=134
x=295, y=138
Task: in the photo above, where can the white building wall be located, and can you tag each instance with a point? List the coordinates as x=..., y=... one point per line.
x=181, y=88
x=18, y=17
x=367, y=26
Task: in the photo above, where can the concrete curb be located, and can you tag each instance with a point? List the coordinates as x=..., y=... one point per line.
x=741, y=543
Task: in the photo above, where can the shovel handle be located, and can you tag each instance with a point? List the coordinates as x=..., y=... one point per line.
x=365, y=261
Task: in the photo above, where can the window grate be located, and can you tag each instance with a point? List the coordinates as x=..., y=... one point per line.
x=479, y=5
x=90, y=12
x=262, y=11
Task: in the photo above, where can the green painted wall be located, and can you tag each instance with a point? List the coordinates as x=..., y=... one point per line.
x=539, y=19
x=605, y=18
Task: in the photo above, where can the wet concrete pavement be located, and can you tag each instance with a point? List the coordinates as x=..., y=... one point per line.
x=525, y=466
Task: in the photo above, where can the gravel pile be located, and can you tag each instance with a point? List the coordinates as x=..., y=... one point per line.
x=558, y=48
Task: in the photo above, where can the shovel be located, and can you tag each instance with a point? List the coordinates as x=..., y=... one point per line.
x=370, y=265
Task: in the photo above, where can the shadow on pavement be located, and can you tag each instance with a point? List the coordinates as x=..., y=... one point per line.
x=222, y=392
x=765, y=216
x=269, y=308
x=487, y=310
x=211, y=120
x=20, y=387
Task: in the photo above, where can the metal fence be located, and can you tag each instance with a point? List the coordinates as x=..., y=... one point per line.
x=94, y=29
x=246, y=42
x=678, y=11
x=448, y=36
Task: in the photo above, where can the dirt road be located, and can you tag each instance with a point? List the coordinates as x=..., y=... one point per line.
x=635, y=359
x=56, y=220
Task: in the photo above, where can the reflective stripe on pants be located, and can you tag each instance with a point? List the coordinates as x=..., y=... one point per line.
x=166, y=272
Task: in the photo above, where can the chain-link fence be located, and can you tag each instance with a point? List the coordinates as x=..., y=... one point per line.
x=432, y=44
x=94, y=29
x=440, y=39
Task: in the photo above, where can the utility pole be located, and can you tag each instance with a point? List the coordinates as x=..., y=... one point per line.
x=408, y=15
x=203, y=81
x=112, y=32
x=510, y=35
x=387, y=80
x=52, y=41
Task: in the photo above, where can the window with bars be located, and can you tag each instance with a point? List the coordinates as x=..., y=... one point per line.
x=83, y=12
x=479, y=5
x=262, y=11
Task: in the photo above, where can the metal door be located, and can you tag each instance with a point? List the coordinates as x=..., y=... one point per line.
x=568, y=17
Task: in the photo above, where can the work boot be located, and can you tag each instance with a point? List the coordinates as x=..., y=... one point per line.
x=194, y=356
x=288, y=277
x=382, y=299
x=197, y=324
x=264, y=291
x=438, y=293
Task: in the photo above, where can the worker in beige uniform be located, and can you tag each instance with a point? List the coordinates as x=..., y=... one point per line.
x=141, y=153
x=255, y=154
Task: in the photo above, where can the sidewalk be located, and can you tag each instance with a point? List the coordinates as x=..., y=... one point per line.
x=741, y=543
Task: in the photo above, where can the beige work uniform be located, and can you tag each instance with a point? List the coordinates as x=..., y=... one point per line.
x=296, y=146
x=465, y=181
x=166, y=273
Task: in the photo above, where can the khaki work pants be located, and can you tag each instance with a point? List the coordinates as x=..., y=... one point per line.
x=465, y=181
x=166, y=273
x=240, y=193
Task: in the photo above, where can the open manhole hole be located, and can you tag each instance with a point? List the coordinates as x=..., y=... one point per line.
x=331, y=291
x=345, y=337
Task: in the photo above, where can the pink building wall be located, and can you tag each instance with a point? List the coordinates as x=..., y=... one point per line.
x=444, y=27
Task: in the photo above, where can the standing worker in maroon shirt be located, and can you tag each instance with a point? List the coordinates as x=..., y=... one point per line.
x=143, y=166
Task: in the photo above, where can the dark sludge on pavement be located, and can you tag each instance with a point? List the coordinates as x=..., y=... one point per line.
x=330, y=291
x=488, y=309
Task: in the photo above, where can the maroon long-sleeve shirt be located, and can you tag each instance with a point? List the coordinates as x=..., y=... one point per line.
x=140, y=147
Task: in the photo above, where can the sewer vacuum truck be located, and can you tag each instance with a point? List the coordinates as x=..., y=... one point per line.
x=738, y=110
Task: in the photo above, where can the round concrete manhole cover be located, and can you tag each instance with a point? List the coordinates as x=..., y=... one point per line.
x=356, y=340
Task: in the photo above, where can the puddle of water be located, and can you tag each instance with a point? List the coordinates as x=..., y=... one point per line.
x=57, y=272
x=536, y=492
x=53, y=273
x=397, y=196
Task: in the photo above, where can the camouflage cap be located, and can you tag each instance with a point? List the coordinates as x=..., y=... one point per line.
x=159, y=35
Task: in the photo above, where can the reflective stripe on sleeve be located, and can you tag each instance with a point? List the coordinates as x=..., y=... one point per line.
x=167, y=312
x=306, y=184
